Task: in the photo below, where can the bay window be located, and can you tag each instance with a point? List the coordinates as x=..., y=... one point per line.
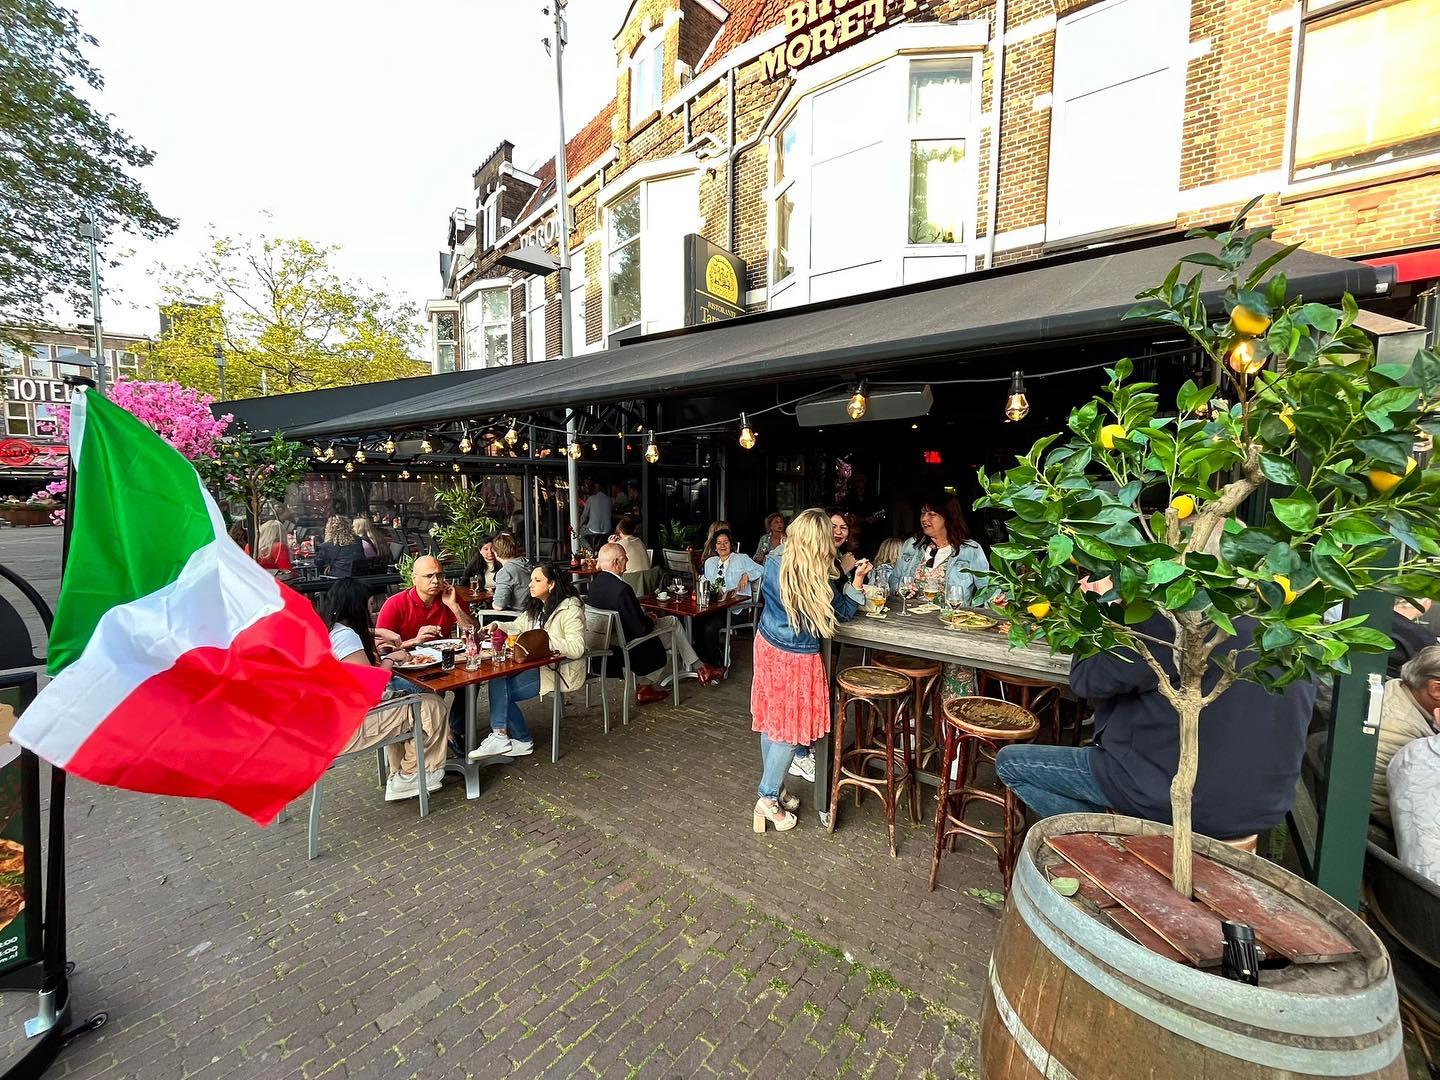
x=644, y=238
x=487, y=328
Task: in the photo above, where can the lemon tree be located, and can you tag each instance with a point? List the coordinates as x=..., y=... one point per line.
x=1160, y=505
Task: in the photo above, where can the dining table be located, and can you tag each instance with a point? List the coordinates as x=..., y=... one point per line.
x=904, y=629
x=687, y=608
x=461, y=679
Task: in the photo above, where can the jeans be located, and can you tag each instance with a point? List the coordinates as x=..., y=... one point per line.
x=505, y=697
x=775, y=760
x=1052, y=779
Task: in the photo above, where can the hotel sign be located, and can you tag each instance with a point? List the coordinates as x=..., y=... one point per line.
x=815, y=29
x=37, y=391
x=714, y=280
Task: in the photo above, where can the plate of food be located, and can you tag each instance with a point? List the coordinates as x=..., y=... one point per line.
x=420, y=658
x=445, y=643
x=968, y=620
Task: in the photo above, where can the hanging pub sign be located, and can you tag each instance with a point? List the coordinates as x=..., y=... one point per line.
x=19, y=833
x=713, y=282
x=815, y=29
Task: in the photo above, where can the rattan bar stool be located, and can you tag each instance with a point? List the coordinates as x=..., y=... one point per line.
x=880, y=717
x=973, y=726
x=926, y=676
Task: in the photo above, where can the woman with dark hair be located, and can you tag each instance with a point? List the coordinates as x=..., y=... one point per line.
x=485, y=565
x=241, y=535
x=553, y=606
x=347, y=614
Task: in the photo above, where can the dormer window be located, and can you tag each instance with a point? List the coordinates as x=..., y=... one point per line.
x=647, y=77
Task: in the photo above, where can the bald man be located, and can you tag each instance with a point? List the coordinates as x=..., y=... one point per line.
x=427, y=610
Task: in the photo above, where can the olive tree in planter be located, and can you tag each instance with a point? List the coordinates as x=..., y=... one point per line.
x=1301, y=412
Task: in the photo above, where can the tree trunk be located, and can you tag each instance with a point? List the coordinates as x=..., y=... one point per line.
x=1182, y=791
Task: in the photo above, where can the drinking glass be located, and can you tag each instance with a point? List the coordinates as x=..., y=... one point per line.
x=475, y=584
x=447, y=658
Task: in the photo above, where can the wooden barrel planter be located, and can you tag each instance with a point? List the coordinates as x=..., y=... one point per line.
x=1069, y=998
x=25, y=516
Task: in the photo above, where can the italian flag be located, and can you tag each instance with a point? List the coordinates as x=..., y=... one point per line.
x=180, y=666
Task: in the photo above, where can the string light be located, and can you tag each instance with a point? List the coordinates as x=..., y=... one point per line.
x=1017, y=405
x=572, y=451
x=360, y=455
x=512, y=436
x=330, y=453
x=317, y=451
x=652, y=452
x=425, y=447
x=747, y=436
x=455, y=466
x=390, y=446
x=349, y=466
x=1244, y=358
x=404, y=474
x=465, y=444
x=594, y=448
x=858, y=402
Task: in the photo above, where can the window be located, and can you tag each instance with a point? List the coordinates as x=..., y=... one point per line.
x=647, y=77
x=940, y=192
x=1368, y=86
x=492, y=223
x=444, y=341
x=787, y=145
x=535, y=319
x=17, y=418
x=12, y=361
x=127, y=364
x=486, y=320
x=70, y=361
x=624, y=237
x=1119, y=78
x=578, y=319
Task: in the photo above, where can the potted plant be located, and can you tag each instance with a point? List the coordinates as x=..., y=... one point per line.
x=253, y=472
x=470, y=523
x=1282, y=488
x=23, y=513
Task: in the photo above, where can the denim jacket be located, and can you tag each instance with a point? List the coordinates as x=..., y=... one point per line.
x=736, y=567
x=775, y=624
x=964, y=568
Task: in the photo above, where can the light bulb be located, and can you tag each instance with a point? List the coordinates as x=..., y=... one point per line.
x=652, y=452
x=572, y=450
x=317, y=451
x=455, y=466
x=389, y=446
x=349, y=466
x=425, y=446
x=404, y=474
x=594, y=448
x=1244, y=358
x=512, y=436
x=858, y=403
x=465, y=443
x=360, y=455
x=1017, y=405
x=329, y=453
x=747, y=436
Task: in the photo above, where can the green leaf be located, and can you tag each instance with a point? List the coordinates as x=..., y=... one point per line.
x=1396, y=399
x=1277, y=635
x=1298, y=512
x=1263, y=267
x=1162, y=573
x=1179, y=593
x=1096, y=549
x=1279, y=470
x=1059, y=550
x=1205, y=258
x=1321, y=316
x=1065, y=886
x=1330, y=571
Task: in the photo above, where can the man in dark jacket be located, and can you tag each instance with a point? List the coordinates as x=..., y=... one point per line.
x=610, y=592
x=1251, y=746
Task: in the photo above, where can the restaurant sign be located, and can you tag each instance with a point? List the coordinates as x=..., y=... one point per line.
x=713, y=281
x=815, y=29
x=41, y=391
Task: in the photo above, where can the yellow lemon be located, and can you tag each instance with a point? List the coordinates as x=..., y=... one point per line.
x=1109, y=433
x=1285, y=418
x=1284, y=583
x=1039, y=609
x=1183, y=505
x=1385, y=482
x=1248, y=321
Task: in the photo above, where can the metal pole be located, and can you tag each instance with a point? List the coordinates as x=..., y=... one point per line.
x=89, y=231
x=562, y=196
x=220, y=367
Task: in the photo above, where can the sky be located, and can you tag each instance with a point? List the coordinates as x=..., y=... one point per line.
x=355, y=123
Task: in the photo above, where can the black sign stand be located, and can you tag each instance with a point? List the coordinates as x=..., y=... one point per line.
x=50, y=1028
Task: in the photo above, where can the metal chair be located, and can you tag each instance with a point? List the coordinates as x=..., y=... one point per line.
x=744, y=616
x=416, y=732
x=17, y=650
x=599, y=631
x=679, y=564
x=616, y=639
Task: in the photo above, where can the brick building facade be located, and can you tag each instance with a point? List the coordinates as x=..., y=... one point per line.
x=843, y=146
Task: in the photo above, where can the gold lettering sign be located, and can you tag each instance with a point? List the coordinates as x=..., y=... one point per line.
x=720, y=279
x=814, y=29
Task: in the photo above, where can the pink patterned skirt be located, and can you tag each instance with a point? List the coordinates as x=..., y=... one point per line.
x=789, y=695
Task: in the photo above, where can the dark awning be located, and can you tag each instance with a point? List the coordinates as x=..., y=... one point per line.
x=1077, y=296
x=289, y=413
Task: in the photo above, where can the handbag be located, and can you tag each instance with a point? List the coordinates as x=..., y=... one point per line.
x=533, y=643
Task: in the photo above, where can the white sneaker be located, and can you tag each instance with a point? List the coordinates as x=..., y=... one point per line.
x=399, y=786
x=803, y=767
x=433, y=780
x=521, y=749
x=496, y=744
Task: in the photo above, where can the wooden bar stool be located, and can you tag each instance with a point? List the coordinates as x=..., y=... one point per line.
x=979, y=725
x=926, y=678
x=880, y=697
x=1045, y=700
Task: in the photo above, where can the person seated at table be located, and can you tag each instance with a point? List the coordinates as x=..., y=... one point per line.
x=709, y=547
x=271, y=551
x=1414, y=783
x=636, y=557
x=1408, y=708
x=739, y=573
x=773, y=538
x=347, y=614
x=887, y=555
x=610, y=592
x=840, y=534
x=485, y=565
x=429, y=609
x=371, y=543
x=241, y=535
x=512, y=581
x=338, y=552
x=551, y=605
x=1251, y=744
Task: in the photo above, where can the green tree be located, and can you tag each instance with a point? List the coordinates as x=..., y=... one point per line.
x=285, y=319
x=1318, y=432
x=253, y=472
x=61, y=161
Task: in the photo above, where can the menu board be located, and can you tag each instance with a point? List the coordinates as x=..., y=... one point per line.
x=19, y=833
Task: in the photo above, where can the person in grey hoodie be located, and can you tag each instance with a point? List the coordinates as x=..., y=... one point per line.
x=512, y=580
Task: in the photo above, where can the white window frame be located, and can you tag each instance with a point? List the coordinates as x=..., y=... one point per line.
x=535, y=350
x=579, y=283
x=1167, y=143
x=492, y=222
x=914, y=45
x=18, y=410
x=436, y=341
x=475, y=294
x=649, y=59
x=654, y=309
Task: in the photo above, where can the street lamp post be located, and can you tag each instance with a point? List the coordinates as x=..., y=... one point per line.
x=562, y=195
x=90, y=233
x=220, y=367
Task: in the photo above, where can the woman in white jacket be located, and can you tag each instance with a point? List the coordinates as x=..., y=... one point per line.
x=552, y=606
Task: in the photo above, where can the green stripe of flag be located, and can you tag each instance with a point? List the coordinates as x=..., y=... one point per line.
x=137, y=516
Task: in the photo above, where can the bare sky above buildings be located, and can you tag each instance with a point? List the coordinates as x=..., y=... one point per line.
x=355, y=123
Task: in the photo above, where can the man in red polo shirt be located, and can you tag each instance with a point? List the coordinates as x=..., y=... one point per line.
x=429, y=609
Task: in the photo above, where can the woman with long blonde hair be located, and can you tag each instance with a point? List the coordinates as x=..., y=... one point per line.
x=271, y=551
x=370, y=541
x=805, y=597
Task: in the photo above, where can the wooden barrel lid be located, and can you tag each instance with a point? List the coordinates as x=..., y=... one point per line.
x=1003, y=721
x=873, y=682
x=914, y=666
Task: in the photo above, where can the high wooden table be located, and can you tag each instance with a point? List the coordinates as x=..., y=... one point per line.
x=923, y=635
x=687, y=610
x=440, y=682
